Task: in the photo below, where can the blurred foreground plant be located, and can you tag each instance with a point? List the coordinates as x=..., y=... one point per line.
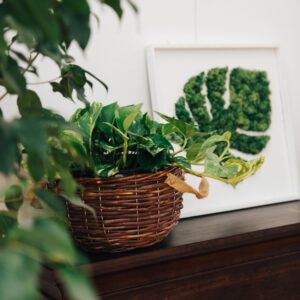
x=32, y=220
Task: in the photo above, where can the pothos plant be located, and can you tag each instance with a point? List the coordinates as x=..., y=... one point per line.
x=124, y=140
x=35, y=147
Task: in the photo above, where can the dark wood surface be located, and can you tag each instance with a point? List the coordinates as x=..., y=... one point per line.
x=246, y=254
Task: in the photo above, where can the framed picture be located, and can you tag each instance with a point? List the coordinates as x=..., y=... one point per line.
x=248, y=78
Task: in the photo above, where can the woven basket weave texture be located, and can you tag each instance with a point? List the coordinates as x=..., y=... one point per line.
x=131, y=212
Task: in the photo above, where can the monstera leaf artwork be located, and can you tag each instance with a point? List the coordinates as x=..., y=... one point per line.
x=247, y=115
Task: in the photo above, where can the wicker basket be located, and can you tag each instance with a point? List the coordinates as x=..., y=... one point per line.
x=131, y=212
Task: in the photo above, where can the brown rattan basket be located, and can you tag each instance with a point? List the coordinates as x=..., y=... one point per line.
x=131, y=211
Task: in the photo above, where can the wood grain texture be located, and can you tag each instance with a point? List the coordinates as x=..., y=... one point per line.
x=247, y=254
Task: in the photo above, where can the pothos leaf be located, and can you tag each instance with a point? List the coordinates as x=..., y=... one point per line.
x=86, y=120
x=187, y=130
x=197, y=152
x=213, y=167
x=131, y=117
x=245, y=168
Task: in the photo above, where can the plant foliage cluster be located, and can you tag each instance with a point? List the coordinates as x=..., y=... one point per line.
x=123, y=139
x=39, y=146
x=249, y=106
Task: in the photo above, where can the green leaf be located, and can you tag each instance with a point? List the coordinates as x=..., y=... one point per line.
x=6, y=224
x=106, y=170
x=36, y=166
x=96, y=78
x=161, y=141
x=213, y=140
x=13, y=79
x=213, y=167
x=8, y=147
x=118, y=131
x=108, y=115
x=77, y=284
x=19, y=276
x=75, y=16
x=67, y=182
x=13, y=197
x=108, y=148
x=51, y=202
x=78, y=151
x=133, y=6
x=33, y=136
x=74, y=79
x=194, y=151
x=77, y=201
x=182, y=161
x=115, y=5
x=49, y=238
x=37, y=16
x=131, y=117
x=86, y=120
x=187, y=130
x=245, y=168
x=29, y=104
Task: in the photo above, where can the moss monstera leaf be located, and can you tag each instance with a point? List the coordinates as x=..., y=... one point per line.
x=249, y=107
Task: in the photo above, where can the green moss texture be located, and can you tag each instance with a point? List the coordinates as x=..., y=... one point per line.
x=249, y=107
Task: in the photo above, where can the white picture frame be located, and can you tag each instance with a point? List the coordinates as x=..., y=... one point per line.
x=169, y=66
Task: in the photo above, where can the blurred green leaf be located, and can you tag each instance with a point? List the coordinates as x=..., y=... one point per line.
x=29, y=104
x=13, y=197
x=75, y=16
x=36, y=16
x=13, y=79
x=6, y=224
x=77, y=201
x=50, y=238
x=32, y=134
x=115, y=5
x=76, y=283
x=51, y=202
x=8, y=148
x=133, y=6
x=19, y=276
x=73, y=79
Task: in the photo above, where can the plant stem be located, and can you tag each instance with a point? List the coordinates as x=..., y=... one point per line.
x=125, y=148
x=181, y=148
x=31, y=61
x=44, y=82
x=3, y=96
x=201, y=174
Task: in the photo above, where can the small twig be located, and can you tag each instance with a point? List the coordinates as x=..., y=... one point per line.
x=3, y=96
x=31, y=61
x=182, y=148
x=44, y=82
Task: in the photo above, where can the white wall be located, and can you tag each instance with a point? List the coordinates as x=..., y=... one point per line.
x=116, y=52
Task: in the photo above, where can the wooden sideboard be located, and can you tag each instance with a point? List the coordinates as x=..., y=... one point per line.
x=247, y=254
